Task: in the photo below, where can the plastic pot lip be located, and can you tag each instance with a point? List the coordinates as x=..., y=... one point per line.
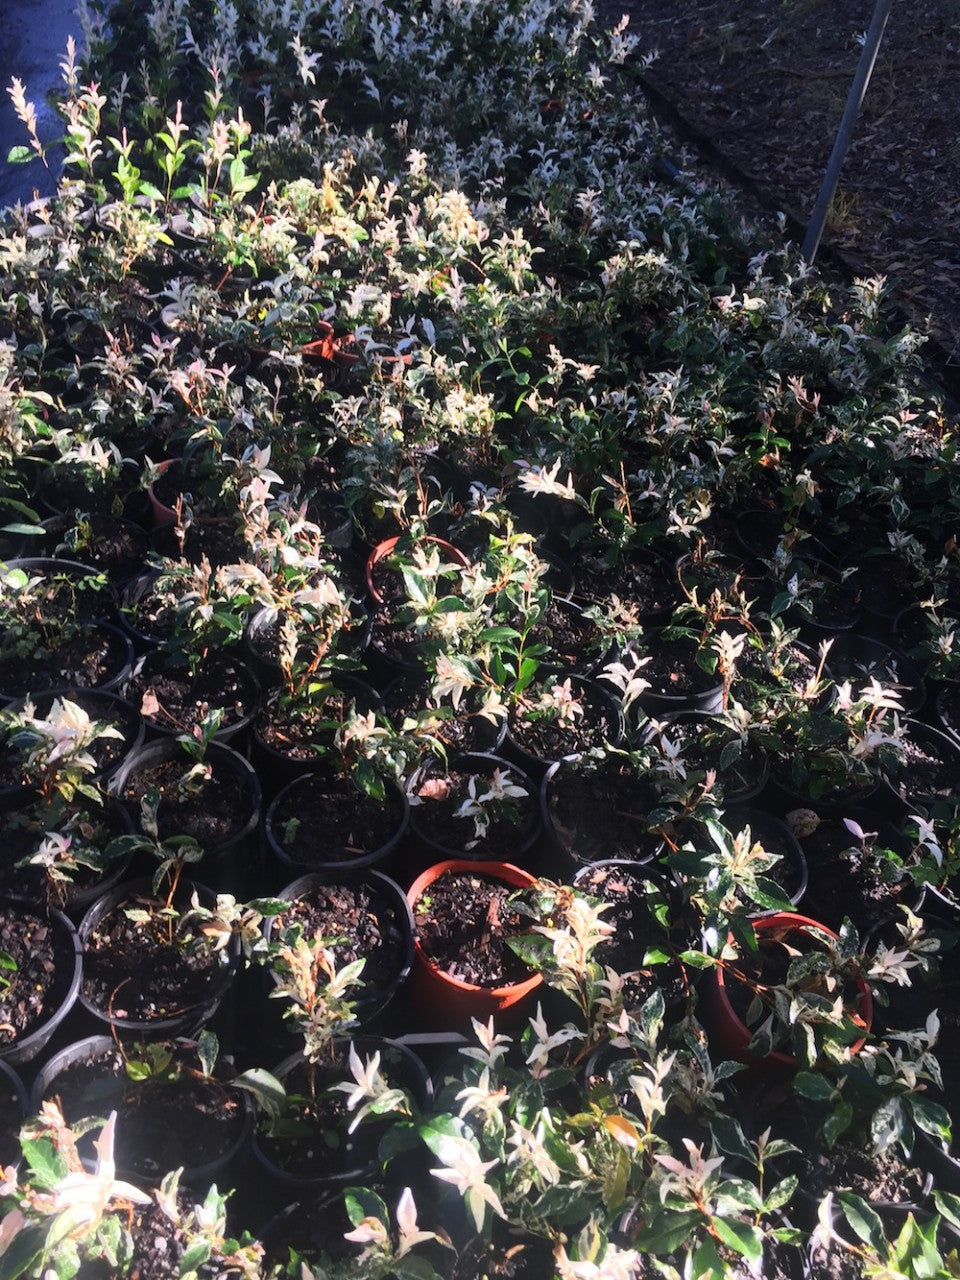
x=382, y=549
x=12, y=1077
x=762, y=924
x=505, y=871
x=25, y=1048
x=527, y=835
x=362, y=861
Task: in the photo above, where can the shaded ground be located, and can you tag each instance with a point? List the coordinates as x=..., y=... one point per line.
x=766, y=80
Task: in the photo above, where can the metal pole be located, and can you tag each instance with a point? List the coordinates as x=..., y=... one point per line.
x=848, y=124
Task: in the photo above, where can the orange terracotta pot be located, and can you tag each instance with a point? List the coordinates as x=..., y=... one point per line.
x=733, y=1036
x=449, y=999
x=387, y=547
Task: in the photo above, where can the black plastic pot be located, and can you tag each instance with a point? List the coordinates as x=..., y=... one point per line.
x=143, y=1170
x=733, y=786
x=579, y=841
x=92, y=604
x=31, y=882
x=771, y=831
x=350, y=1160
x=133, y=593
x=246, y=697
x=119, y=567
x=704, y=692
x=108, y=642
x=859, y=658
x=611, y=726
x=381, y=858
x=370, y=1000
x=633, y=915
x=943, y=784
x=275, y=767
x=228, y=859
x=105, y=705
x=64, y=989
x=195, y=1013
x=481, y=764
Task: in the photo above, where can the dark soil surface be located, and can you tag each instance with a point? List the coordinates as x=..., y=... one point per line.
x=406, y=698
x=135, y=971
x=157, y=1248
x=574, y=640
x=115, y=546
x=163, y=1124
x=106, y=752
x=673, y=671
x=442, y=792
x=20, y=838
x=602, y=813
x=552, y=740
x=766, y=83
x=41, y=980
x=173, y=699
x=524, y=1258
x=647, y=581
x=463, y=922
x=844, y=881
x=219, y=810
x=357, y=922
x=328, y=820
x=878, y=1178
x=299, y=730
x=703, y=746
x=929, y=770
x=87, y=657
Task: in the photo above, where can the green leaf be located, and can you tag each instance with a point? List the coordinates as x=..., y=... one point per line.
x=266, y=1088
x=208, y=1050
x=949, y=1205
x=810, y=1084
x=741, y=1236
x=194, y=1257
x=23, y=1251
x=931, y=1117
x=781, y=1193
x=865, y=1221
x=730, y=1137
x=46, y=1163
x=361, y=1203
x=21, y=155
x=668, y=1231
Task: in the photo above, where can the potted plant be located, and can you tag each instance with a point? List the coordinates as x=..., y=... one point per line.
x=473, y=973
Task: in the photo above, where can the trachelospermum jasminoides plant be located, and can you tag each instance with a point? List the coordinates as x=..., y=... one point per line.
x=65, y=822
x=68, y=1217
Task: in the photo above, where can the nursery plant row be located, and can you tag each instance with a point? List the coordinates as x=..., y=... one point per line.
x=480, y=722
